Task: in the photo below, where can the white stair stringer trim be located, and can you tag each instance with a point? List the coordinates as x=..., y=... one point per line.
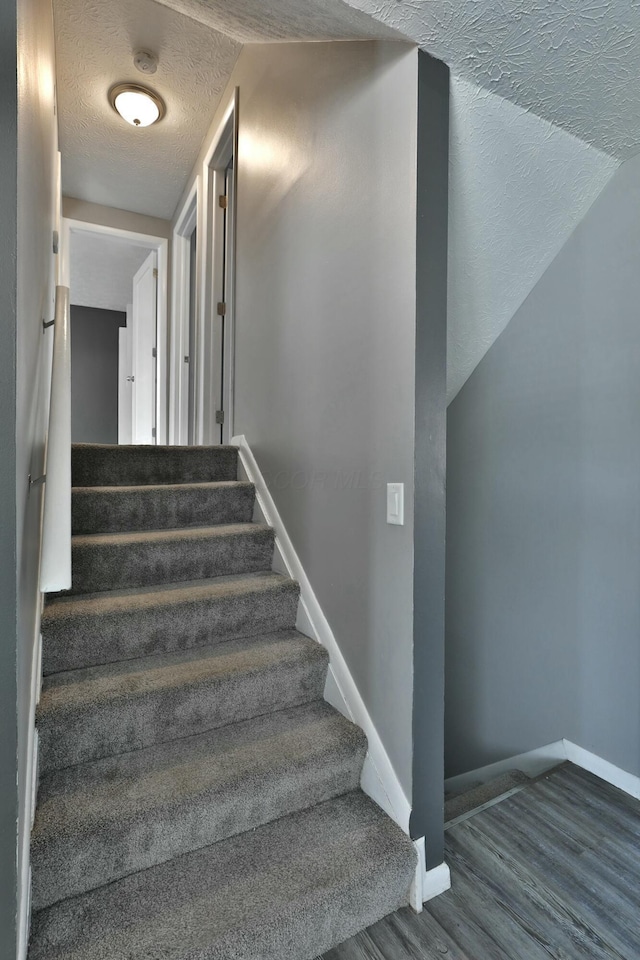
x=379, y=779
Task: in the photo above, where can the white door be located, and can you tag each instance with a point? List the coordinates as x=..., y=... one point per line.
x=125, y=382
x=143, y=350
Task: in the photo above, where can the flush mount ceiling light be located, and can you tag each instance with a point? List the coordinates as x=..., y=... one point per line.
x=136, y=104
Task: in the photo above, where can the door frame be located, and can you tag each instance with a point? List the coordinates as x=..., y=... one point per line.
x=186, y=223
x=161, y=245
x=223, y=147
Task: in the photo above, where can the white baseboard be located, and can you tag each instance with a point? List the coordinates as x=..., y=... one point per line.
x=536, y=762
x=427, y=883
x=627, y=782
x=533, y=763
x=379, y=779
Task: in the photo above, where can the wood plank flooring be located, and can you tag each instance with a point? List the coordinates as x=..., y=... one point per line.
x=550, y=872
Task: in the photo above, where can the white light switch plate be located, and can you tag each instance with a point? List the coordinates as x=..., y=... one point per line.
x=395, y=503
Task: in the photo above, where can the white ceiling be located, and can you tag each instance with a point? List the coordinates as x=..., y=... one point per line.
x=262, y=21
x=106, y=160
x=145, y=170
x=570, y=62
x=575, y=63
x=102, y=270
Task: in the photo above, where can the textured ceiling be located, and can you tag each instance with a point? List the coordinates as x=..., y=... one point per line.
x=261, y=21
x=517, y=188
x=108, y=162
x=102, y=270
x=574, y=62
x=104, y=159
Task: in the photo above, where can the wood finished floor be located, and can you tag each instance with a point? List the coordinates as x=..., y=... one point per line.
x=552, y=871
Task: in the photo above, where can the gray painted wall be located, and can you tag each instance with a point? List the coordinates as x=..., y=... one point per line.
x=427, y=815
x=325, y=336
x=27, y=155
x=94, y=374
x=543, y=505
x=8, y=586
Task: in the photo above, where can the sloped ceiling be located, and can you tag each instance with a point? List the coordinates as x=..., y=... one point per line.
x=575, y=63
x=544, y=106
x=263, y=21
x=518, y=186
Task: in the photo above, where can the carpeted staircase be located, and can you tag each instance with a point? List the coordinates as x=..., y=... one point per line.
x=197, y=797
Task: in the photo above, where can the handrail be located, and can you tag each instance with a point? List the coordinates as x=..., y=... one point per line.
x=55, y=568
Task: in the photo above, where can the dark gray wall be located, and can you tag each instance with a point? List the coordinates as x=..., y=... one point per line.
x=430, y=457
x=543, y=510
x=8, y=598
x=94, y=374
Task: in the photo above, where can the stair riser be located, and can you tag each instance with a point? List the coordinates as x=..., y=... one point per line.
x=116, y=511
x=93, y=465
x=70, y=643
x=119, y=849
x=100, y=567
x=105, y=729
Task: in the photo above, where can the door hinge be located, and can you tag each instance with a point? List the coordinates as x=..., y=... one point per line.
x=153, y=432
x=154, y=353
x=187, y=360
x=223, y=201
x=155, y=272
x=222, y=309
x=219, y=416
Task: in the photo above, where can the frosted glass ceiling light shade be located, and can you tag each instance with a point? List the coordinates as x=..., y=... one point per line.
x=138, y=105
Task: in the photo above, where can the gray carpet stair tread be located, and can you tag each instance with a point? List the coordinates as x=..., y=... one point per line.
x=106, y=710
x=159, y=507
x=110, y=561
x=83, y=630
x=96, y=464
x=101, y=821
x=293, y=888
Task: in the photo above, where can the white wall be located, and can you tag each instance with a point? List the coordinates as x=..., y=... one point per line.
x=325, y=342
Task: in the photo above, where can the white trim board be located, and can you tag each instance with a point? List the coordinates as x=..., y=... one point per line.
x=533, y=763
x=627, y=782
x=186, y=222
x=427, y=883
x=536, y=762
x=379, y=779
